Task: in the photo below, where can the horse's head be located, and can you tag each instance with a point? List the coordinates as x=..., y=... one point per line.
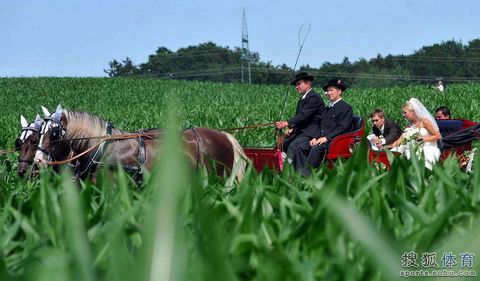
x=27, y=143
x=50, y=146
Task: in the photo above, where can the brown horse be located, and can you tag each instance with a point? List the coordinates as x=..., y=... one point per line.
x=68, y=134
x=26, y=143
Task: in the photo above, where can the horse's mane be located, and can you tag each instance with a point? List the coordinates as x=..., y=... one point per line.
x=83, y=125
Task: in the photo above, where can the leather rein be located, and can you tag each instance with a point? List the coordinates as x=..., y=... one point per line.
x=108, y=137
x=102, y=140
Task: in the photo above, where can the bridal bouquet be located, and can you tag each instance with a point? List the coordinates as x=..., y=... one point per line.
x=410, y=134
x=410, y=139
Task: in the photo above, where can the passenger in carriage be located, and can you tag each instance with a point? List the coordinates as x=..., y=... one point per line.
x=309, y=106
x=442, y=113
x=335, y=120
x=385, y=131
x=423, y=125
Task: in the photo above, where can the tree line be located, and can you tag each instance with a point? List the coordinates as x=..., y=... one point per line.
x=450, y=61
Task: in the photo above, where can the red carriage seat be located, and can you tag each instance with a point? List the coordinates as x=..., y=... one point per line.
x=458, y=143
x=468, y=124
x=378, y=157
x=340, y=147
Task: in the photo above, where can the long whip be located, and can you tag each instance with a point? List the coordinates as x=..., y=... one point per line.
x=300, y=44
x=295, y=65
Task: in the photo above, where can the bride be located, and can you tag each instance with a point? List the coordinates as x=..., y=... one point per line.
x=428, y=133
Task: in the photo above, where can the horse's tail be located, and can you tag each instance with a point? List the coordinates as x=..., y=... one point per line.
x=239, y=157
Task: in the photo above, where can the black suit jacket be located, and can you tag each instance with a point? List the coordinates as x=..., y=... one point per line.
x=391, y=131
x=308, y=110
x=334, y=121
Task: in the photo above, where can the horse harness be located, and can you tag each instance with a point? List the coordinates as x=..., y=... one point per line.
x=80, y=169
x=95, y=157
x=141, y=156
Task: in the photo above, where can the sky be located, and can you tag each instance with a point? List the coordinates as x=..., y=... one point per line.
x=79, y=37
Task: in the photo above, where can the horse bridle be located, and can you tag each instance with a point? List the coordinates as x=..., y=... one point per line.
x=56, y=130
x=26, y=129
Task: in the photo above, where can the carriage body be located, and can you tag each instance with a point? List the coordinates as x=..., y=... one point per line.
x=450, y=126
x=265, y=157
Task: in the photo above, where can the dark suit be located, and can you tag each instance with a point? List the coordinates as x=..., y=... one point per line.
x=307, y=110
x=334, y=121
x=391, y=131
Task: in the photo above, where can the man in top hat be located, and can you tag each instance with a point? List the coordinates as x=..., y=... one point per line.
x=309, y=106
x=335, y=120
x=385, y=131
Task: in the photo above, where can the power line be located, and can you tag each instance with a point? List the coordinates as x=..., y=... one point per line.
x=375, y=76
x=475, y=59
x=195, y=73
x=231, y=70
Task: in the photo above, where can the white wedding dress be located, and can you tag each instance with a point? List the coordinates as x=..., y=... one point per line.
x=431, y=152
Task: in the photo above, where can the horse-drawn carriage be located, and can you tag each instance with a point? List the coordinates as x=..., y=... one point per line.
x=457, y=137
x=72, y=142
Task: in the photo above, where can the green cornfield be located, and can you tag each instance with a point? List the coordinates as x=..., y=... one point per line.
x=353, y=222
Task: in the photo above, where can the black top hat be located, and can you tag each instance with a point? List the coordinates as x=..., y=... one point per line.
x=336, y=83
x=301, y=76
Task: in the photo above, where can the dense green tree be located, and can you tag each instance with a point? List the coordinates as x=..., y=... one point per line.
x=450, y=61
x=126, y=68
x=114, y=70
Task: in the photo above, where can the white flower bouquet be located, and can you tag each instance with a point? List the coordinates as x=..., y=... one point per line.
x=410, y=134
x=410, y=141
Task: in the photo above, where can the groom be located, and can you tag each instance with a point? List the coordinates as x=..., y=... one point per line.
x=385, y=131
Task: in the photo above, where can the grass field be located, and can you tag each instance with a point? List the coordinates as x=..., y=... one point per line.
x=353, y=222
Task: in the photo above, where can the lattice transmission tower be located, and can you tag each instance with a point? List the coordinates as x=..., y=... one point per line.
x=246, y=58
